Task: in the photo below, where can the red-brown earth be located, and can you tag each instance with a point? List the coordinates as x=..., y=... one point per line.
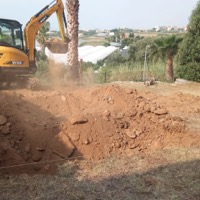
x=43, y=127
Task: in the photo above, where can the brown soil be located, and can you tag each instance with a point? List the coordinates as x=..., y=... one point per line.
x=42, y=127
x=56, y=45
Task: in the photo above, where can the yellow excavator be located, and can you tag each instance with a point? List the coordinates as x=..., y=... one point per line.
x=17, y=47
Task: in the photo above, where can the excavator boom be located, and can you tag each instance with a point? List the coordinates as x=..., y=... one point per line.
x=36, y=22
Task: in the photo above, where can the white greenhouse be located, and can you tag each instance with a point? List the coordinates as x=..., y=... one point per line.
x=86, y=53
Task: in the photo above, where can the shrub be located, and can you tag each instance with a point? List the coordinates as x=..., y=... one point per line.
x=42, y=65
x=104, y=75
x=190, y=72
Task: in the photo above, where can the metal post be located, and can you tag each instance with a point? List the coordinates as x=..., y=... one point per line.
x=145, y=61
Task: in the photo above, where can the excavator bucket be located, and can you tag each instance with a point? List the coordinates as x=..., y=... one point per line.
x=56, y=45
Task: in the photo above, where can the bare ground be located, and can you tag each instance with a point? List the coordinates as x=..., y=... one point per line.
x=115, y=141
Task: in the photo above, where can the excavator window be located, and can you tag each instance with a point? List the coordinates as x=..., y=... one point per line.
x=11, y=34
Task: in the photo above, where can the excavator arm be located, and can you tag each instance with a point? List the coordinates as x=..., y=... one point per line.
x=36, y=22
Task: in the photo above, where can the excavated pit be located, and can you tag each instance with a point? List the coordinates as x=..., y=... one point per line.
x=40, y=127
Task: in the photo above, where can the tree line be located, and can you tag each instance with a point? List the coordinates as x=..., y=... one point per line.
x=183, y=49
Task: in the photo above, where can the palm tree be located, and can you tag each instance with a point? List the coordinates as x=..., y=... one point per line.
x=73, y=26
x=42, y=35
x=166, y=48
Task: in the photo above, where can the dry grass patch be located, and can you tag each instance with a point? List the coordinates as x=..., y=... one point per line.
x=167, y=174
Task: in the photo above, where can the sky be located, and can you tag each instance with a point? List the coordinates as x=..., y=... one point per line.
x=109, y=14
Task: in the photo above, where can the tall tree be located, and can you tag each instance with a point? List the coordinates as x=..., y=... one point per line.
x=190, y=47
x=137, y=48
x=73, y=26
x=166, y=48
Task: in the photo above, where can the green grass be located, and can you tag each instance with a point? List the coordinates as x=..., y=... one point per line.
x=127, y=72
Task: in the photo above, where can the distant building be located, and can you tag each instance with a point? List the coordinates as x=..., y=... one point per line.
x=126, y=35
x=124, y=51
x=102, y=31
x=115, y=44
x=111, y=34
x=168, y=29
x=80, y=34
x=102, y=34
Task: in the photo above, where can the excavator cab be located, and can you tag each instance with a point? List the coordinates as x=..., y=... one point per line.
x=11, y=34
x=13, y=57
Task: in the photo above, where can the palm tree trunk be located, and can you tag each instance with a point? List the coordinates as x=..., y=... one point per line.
x=169, y=67
x=73, y=26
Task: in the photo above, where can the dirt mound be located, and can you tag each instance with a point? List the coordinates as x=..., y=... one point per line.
x=93, y=123
x=119, y=120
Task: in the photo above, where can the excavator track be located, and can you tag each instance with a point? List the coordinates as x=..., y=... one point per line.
x=32, y=83
x=27, y=82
